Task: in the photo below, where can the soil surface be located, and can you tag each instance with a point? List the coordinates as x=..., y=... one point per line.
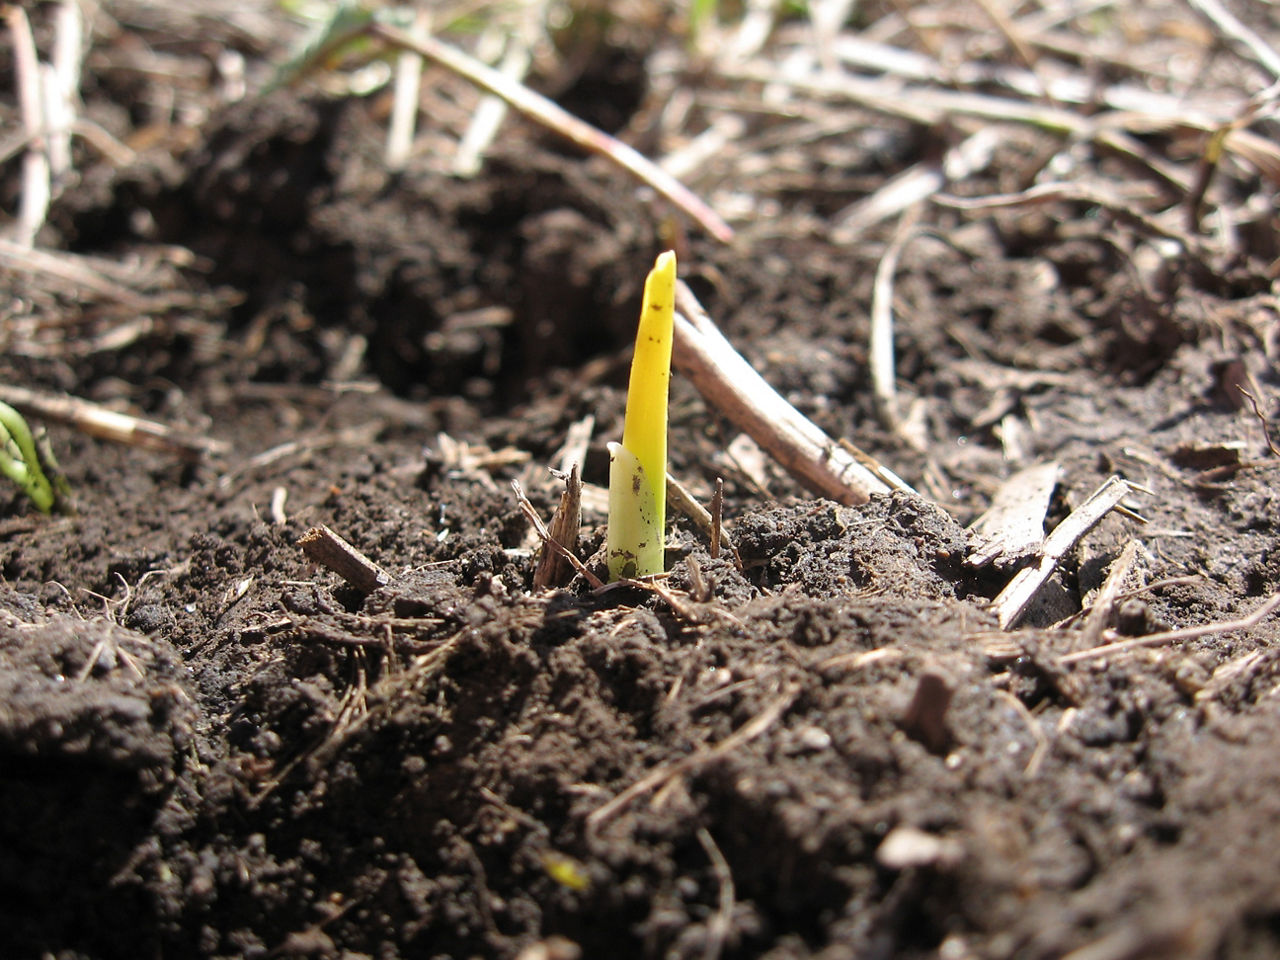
x=824, y=746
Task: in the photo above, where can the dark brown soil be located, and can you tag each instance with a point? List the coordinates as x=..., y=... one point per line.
x=210, y=748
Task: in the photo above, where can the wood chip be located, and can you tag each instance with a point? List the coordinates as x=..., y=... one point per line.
x=1012, y=529
x=323, y=546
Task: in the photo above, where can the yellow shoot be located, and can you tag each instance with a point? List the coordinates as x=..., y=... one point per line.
x=644, y=431
x=566, y=871
x=638, y=466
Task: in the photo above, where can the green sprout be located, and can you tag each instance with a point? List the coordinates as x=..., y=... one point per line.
x=636, y=540
x=21, y=462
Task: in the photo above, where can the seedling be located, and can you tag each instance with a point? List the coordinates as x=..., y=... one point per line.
x=636, y=539
x=20, y=460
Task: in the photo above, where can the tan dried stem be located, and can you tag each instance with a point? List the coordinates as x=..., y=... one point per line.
x=731, y=386
x=105, y=424
x=1263, y=610
x=543, y=111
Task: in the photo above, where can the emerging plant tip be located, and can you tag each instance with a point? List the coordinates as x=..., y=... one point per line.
x=20, y=459
x=638, y=466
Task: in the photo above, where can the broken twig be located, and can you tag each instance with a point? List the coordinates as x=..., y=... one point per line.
x=323, y=546
x=730, y=385
x=550, y=542
x=707, y=521
x=1172, y=636
x=925, y=720
x=553, y=569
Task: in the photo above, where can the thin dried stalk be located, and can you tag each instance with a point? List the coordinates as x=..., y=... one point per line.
x=404, y=106
x=730, y=385
x=717, y=517
x=1227, y=22
x=753, y=728
x=1131, y=108
x=1263, y=611
x=915, y=184
x=539, y=108
x=1104, y=605
x=72, y=268
x=111, y=425
x=1001, y=21
x=492, y=109
x=551, y=542
x=721, y=923
x=883, y=377
x=708, y=521
x=36, y=179
x=64, y=90
x=323, y=546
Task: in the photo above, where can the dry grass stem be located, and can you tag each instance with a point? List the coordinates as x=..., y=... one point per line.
x=1174, y=636
x=36, y=174
x=492, y=109
x=404, y=105
x=883, y=376
x=914, y=185
x=717, y=517
x=1266, y=429
x=655, y=779
x=360, y=435
x=860, y=658
x=1128, y=107
x=1234, y=29
x=1001, y=21
x=730, y=385
x=1036, y=760
x=576, y=442
x=540, y=109
x=1104, y=604
x=721, y=923
x=63, y=89
x=71, y=269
